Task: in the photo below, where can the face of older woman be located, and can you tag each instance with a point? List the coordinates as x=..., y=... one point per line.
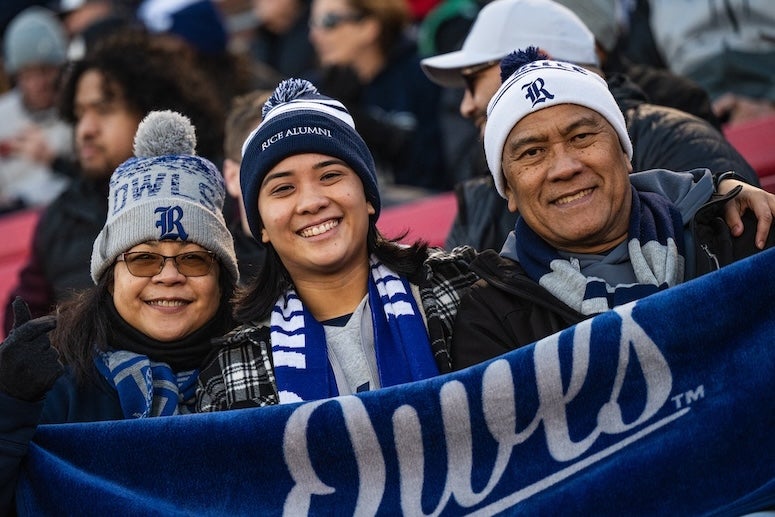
x=168, y=305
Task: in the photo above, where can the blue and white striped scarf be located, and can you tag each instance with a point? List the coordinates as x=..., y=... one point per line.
x=147, y=388
x=401, y=344
x=656, y=251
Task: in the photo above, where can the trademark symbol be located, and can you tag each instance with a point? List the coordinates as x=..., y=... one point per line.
x=687, y=398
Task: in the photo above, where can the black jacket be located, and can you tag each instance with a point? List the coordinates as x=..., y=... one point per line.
x=506, y=310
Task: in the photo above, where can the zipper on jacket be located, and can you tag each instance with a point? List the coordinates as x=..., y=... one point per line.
x=710, y=254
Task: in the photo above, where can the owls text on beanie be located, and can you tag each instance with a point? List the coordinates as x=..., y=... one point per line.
x=165, y=192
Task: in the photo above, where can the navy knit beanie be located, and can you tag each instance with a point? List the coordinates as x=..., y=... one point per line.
x=298, y=120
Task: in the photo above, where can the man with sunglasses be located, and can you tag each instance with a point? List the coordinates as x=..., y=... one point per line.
x=662, y=137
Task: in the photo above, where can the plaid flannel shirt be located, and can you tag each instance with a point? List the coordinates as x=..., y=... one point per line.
x=240, y=373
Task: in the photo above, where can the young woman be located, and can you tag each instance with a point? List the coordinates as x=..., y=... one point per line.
x=164, y=268
x=337, y=308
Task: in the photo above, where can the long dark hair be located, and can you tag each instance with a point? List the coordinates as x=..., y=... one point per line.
x=83, y=325
x=254, y=302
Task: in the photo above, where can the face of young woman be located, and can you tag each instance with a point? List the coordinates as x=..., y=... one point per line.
x=169, y=305
x=315, y=214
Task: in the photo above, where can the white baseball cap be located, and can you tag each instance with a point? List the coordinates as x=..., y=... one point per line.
x=504, y=26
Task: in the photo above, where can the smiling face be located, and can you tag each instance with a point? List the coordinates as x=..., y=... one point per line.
x=315, y=214
x=168, y=306
x=568, y=176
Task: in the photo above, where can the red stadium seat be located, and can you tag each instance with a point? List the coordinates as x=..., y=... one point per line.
x=429, y=219
x=16, y=231
x=755, y=140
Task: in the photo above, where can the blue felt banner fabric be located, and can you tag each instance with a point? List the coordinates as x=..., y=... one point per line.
x=665, y=406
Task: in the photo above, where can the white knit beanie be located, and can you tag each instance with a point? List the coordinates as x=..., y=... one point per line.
x=164, y=193
x=538, y=85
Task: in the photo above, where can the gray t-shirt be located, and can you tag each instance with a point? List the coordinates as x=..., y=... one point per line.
x=351, y=352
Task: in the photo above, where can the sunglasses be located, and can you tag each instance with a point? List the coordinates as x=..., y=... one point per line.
x=147, y=264
x=470, y=73
x=330, y=21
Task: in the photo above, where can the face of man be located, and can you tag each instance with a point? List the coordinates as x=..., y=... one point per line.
x=105, y=126
x=568, y=176
x=482, y=81
x=38, y=85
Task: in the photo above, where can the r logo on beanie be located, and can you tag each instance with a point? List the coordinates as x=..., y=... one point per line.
x=538, y=84
x=298, y=120
x=165, y=192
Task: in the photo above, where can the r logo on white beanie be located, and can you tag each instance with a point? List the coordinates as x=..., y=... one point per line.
x=541, y=84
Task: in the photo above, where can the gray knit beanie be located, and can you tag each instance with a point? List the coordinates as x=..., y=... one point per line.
x=164, y=193
x=34, y=37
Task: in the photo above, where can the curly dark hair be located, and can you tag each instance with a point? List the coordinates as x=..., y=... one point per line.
x=151, y=73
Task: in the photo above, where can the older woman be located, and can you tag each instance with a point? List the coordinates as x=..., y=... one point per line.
x=371, y=66
x=337, y=308
x=164, y=268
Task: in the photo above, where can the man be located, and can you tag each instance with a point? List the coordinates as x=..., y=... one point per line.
x=105, y=96
x=662, y=137
x=590, y=236
x=35, y=143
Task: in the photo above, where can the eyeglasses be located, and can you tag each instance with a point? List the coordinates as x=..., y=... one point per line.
x=470, y=73
x=330, y=21
x=147, y=264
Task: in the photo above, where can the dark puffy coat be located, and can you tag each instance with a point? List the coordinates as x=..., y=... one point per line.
x=506, y=310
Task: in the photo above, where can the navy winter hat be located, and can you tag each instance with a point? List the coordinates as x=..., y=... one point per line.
x=298, y=120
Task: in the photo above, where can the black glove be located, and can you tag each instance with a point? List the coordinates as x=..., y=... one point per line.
x=29, y=365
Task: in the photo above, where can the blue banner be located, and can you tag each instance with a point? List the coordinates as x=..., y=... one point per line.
x=662, y=407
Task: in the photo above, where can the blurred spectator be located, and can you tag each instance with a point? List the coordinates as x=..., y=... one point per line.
x=727, y=46
x=244, y=116
x=371, y=65
x=443, y=30
x=35, y=143
x=660, y=85
x=86, y=21
x=636, y=40
x=281, y=39
x=200, y=25
x=105, y=96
